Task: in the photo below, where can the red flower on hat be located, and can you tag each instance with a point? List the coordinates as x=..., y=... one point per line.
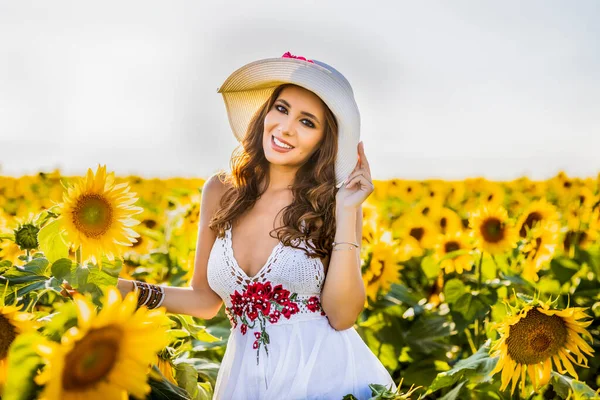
x=290, y=55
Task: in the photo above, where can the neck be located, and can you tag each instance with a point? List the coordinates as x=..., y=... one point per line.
x=281, y=178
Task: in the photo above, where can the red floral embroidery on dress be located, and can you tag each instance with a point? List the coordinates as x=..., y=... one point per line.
x=261, y=301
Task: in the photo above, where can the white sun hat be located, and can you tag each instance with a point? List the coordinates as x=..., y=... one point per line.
x=250, y=86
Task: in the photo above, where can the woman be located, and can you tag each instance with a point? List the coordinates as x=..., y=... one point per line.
x=292, y=299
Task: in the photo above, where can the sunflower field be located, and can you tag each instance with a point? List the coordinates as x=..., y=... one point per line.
x=476, y=289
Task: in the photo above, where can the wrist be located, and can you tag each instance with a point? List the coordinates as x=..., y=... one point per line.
x=125, y=286
x=346, y=210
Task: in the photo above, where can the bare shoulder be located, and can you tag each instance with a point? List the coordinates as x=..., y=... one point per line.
x=213, y=190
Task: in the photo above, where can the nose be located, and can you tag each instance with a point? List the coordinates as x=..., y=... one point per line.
x=284, y=128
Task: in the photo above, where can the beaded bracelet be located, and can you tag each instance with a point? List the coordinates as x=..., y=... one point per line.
x=151, y=296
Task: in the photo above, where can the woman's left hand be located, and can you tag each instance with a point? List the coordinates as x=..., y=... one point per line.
x=358, y=186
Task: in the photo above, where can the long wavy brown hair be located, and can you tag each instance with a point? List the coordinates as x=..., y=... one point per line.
x=313, y=188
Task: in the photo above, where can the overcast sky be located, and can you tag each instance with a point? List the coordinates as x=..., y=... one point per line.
x=448, y=90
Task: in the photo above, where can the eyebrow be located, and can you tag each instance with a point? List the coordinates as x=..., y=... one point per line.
x=301, y=112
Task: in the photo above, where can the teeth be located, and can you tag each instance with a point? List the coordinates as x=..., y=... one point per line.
x=281, y=144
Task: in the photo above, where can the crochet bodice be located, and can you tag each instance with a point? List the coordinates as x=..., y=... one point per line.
x=286, y=266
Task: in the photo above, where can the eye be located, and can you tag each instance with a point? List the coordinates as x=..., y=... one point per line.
x=311, y=124
x=283, y=110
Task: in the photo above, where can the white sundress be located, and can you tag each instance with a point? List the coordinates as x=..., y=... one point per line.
x=281, y=344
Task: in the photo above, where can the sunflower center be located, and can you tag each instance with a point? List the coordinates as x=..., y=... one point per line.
x=417, y=233
x=443, y=222
x=532, y=218
x=574, y=237
x=92, y=358
x=536, y=337
x=150, y=223
x=451, y=246
x=92, y=215
x=7, y=336
x=492, y=230
x=138, y=242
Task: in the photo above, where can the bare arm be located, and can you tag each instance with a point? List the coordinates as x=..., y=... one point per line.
x=198, y=299
x=343, y=295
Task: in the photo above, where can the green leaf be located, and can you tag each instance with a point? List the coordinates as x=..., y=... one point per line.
x=476, y=368
x=23, y=362
x=428, y=334
x=564, y=269
x=403, y=293
x=564, y=385
x=165, y=389
x=52, y=242
x=206, y=369
x=187, y=377
x=453, y=290
x=205, y=391
x=198, y=331
x=430, y=267
x=37, y=266
x=470, y=305
x=61, y=268
x=4, y=266
x=454, y=393
x=488, y=269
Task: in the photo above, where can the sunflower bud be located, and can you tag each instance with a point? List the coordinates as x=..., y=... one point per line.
x=26, y=236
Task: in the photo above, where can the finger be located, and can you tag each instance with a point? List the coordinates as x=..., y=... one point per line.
x=357, y=173
x=357, y=166
x=361, y=181
x=363, y=157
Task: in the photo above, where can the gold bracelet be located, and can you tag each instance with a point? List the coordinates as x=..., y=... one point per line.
x=350, y=243
x=349, y=248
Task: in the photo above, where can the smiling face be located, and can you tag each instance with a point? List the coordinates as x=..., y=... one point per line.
x=297, y=118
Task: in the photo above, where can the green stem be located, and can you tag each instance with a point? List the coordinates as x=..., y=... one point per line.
x=479, y=272
x=78, y=256
x=28, y=255
x=470, y=340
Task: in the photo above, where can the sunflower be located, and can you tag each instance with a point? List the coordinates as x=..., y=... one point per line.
x=9, y=250
x=417, y=227
x=435, y=191
x=447, y=221
x=540, y=248
x=578, y=238
x=449, y=243
x=455, y=194
x=165, y=366
x=384, y=267
x=107, y=355
x=492, y=231
x=428, y=206
x=577, y=217
x=406, y=190
x=96, y=215
x=491, y=194
x=535, y=213
x=517, y=203
x=584, y=197
x=532, y=336
x=13, y=322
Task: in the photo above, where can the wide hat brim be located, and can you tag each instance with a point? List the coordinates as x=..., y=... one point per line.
x=250, y=86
